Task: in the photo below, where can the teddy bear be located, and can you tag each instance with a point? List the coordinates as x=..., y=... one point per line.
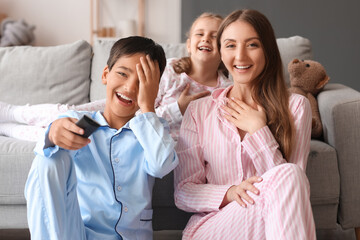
x=308, y=78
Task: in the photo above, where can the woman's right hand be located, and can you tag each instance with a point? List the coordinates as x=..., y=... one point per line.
x=243, y=116
x=238, y=193
x=185, y=98
x=63, y=132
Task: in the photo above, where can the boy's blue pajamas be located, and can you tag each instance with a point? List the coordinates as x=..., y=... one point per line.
x=103, y=190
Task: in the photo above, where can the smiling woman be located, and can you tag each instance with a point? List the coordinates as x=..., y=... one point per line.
x=243, y=151
x=242, y=53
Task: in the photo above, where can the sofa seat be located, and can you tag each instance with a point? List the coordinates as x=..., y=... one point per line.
x=16, y=157
x=323, y=174
x=15, y=161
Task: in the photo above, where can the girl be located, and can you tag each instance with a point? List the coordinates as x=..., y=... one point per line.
x=192, y=77
x=243, y=151
x=184, y=80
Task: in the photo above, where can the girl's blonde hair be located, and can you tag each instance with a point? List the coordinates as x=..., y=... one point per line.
x=184, y=64
x=269, y=88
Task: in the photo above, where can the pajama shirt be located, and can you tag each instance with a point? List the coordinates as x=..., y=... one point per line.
x=103, y=190
x=170, y=89
x=212, y=158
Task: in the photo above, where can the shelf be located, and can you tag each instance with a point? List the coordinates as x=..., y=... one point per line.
x=103, y=32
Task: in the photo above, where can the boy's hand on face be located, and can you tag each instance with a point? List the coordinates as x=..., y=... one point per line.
x=63, y=132
x=149, y=77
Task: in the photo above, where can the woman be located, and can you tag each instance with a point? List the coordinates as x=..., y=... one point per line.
x=243, y=150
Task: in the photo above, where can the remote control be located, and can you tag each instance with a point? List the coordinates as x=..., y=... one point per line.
x=89, y=125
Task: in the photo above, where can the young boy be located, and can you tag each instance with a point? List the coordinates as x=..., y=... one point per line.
x=101, y=188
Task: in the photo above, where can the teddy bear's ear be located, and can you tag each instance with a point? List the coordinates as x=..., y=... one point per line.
x=323, y=82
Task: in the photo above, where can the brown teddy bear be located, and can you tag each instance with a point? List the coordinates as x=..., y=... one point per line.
x=308, y=78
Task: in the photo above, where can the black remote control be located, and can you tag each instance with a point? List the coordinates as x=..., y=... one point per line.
x=89, y=125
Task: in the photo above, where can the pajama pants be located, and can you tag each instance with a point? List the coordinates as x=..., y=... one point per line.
x=52, y=206
x=282, y=210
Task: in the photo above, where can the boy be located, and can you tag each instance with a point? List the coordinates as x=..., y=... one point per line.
x=101, y=187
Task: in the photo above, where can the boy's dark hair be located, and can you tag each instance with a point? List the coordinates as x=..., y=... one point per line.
x=136, y=44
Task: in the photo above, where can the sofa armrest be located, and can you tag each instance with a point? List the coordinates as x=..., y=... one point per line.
x=339, y=108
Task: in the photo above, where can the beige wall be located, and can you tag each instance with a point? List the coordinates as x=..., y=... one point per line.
x=64, y=21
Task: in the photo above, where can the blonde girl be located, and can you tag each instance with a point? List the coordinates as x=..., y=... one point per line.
x=193, y=77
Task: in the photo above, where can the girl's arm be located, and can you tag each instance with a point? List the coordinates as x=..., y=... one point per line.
x=192, y=193
x=172, y=106
x=168, y=109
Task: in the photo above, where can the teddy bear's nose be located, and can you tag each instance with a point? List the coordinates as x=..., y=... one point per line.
x=295, y=60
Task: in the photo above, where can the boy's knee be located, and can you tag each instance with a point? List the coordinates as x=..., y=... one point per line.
x=60, y=161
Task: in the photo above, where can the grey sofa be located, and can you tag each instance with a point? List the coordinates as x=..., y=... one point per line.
x=71, y=74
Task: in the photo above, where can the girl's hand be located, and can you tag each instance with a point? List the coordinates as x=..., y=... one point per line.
x=149, y=78
x=185, y=98
x=238, y=193
x=243, y=116
x=63, y=132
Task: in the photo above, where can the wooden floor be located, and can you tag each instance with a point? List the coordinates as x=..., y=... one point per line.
x=337, y=234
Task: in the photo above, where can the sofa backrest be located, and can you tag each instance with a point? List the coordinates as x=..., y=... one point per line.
x=290, y=48
x=58, y=74
x=70, y=74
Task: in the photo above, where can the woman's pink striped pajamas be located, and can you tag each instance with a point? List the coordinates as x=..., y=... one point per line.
x=213, y=158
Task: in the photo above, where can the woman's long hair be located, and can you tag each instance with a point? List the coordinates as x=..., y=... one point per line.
x=269, y=88
x=184, y=64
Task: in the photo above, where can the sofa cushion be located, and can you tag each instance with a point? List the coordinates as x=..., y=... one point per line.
x=290, y=48
x=101, y=49
x=293, y=47
x=339, y=108
x=164, y=206
x=323, y=174
x=16, y=157
x=58, y=74
x=173, y=50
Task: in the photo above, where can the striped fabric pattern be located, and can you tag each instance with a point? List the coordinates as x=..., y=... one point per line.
x=213, y=158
